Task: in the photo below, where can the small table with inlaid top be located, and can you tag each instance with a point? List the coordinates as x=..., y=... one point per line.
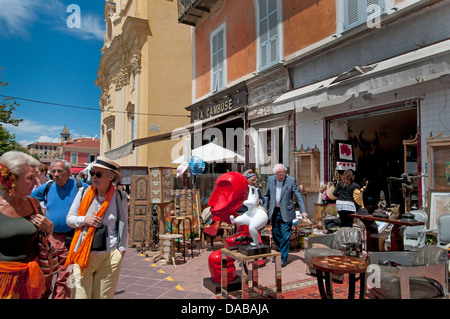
x=340, y=265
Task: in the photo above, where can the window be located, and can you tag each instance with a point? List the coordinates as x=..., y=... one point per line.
x=218, y=59
x=74, y=158
x=132, y=127
x=268, y=33
x=108, y=140
x=130, y=114
x=361, y=11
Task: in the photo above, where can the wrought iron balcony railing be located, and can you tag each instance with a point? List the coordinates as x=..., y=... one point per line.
x=190, y=11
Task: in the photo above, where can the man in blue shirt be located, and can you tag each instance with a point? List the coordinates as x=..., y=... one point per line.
x=58, y=197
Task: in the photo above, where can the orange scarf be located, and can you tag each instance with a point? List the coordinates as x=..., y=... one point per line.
x=81, y=256
x=36, y=279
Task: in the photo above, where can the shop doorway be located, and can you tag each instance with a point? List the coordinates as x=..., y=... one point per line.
x=377, y=139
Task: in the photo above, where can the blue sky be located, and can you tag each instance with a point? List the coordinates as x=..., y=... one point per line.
x=45, y=59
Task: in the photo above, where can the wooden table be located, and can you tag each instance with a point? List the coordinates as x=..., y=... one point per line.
x=340, y=265
x=167, y=250
x=397, y=231
x=246, y=260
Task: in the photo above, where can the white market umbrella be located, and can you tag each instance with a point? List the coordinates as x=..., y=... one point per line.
x=87, y=172
x=212, y=152
x=187, y=149
x=184, y=164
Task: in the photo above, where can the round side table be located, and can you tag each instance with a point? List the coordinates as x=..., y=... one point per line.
x=340, y=265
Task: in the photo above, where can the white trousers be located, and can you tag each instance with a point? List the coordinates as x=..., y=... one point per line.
x=99, y=280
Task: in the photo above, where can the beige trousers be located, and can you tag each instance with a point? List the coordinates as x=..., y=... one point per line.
x=99, y=279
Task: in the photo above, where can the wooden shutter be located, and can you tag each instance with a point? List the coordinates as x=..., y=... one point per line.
x=268, y=33
x=356, y=11
x=218, y=56
x=352, y=13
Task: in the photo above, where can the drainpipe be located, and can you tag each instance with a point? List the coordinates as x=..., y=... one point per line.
x=295, y=129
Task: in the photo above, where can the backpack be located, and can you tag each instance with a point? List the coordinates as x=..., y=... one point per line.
x=49, y=184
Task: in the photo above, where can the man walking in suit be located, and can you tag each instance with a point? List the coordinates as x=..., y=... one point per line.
x=278, y=200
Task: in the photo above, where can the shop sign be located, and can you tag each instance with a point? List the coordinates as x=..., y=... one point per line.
x=223, y=105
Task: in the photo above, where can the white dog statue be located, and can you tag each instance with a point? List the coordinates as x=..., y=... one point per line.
x=255, y=217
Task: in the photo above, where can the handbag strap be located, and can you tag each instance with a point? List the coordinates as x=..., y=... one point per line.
x=45, y=248
x=36, y=206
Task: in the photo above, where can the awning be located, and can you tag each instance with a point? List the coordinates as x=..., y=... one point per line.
x=405, y=70
x=76, y=170
x=212, y=121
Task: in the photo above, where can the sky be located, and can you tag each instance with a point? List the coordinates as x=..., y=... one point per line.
x=50, y=52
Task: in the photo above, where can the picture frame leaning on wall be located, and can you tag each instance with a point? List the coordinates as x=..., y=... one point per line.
x=438, y=204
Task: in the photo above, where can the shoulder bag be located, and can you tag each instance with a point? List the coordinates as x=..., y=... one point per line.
x=100, y=238
x=47, y=256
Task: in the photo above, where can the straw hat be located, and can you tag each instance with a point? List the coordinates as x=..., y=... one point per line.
x=104, y=162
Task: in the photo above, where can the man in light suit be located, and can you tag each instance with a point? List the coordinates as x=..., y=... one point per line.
x=278, y=200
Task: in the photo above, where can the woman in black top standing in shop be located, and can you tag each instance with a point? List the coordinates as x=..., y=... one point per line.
x=345, y=203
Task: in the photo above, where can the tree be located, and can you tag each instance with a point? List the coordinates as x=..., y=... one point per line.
x=7, y=107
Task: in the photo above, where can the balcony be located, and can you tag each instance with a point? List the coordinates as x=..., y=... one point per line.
x=191, y=11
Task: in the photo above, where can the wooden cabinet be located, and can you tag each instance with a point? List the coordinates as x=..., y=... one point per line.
x=306, y=169
x=438, y=151
x=140, y=220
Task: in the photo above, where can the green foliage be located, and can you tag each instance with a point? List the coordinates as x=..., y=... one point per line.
x=7, y=140
x=7, y=143
x=429, y=239
x=7, y=108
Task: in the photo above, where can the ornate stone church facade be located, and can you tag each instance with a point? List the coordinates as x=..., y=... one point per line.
x=145, y=80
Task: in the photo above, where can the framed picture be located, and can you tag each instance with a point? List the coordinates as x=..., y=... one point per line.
x=438, y=204
x=344, y=150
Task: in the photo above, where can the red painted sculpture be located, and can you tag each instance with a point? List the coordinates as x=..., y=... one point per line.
x=230, y=192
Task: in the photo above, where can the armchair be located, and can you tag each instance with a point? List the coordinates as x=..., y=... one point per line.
x=412, y=239
x=411, y=275
x=443, y=231
x=345, y=241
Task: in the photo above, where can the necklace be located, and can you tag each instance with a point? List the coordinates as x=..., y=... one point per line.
x=98, y=203
x=98, y=199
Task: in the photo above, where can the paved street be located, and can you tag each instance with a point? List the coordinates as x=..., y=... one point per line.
x=141, y=278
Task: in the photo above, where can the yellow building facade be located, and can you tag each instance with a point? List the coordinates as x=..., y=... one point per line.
x=145, y=78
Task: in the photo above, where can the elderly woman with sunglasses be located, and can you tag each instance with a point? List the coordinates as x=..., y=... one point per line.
x=99, y=209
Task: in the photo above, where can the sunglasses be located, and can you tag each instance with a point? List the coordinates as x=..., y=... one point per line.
x=96, y=174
